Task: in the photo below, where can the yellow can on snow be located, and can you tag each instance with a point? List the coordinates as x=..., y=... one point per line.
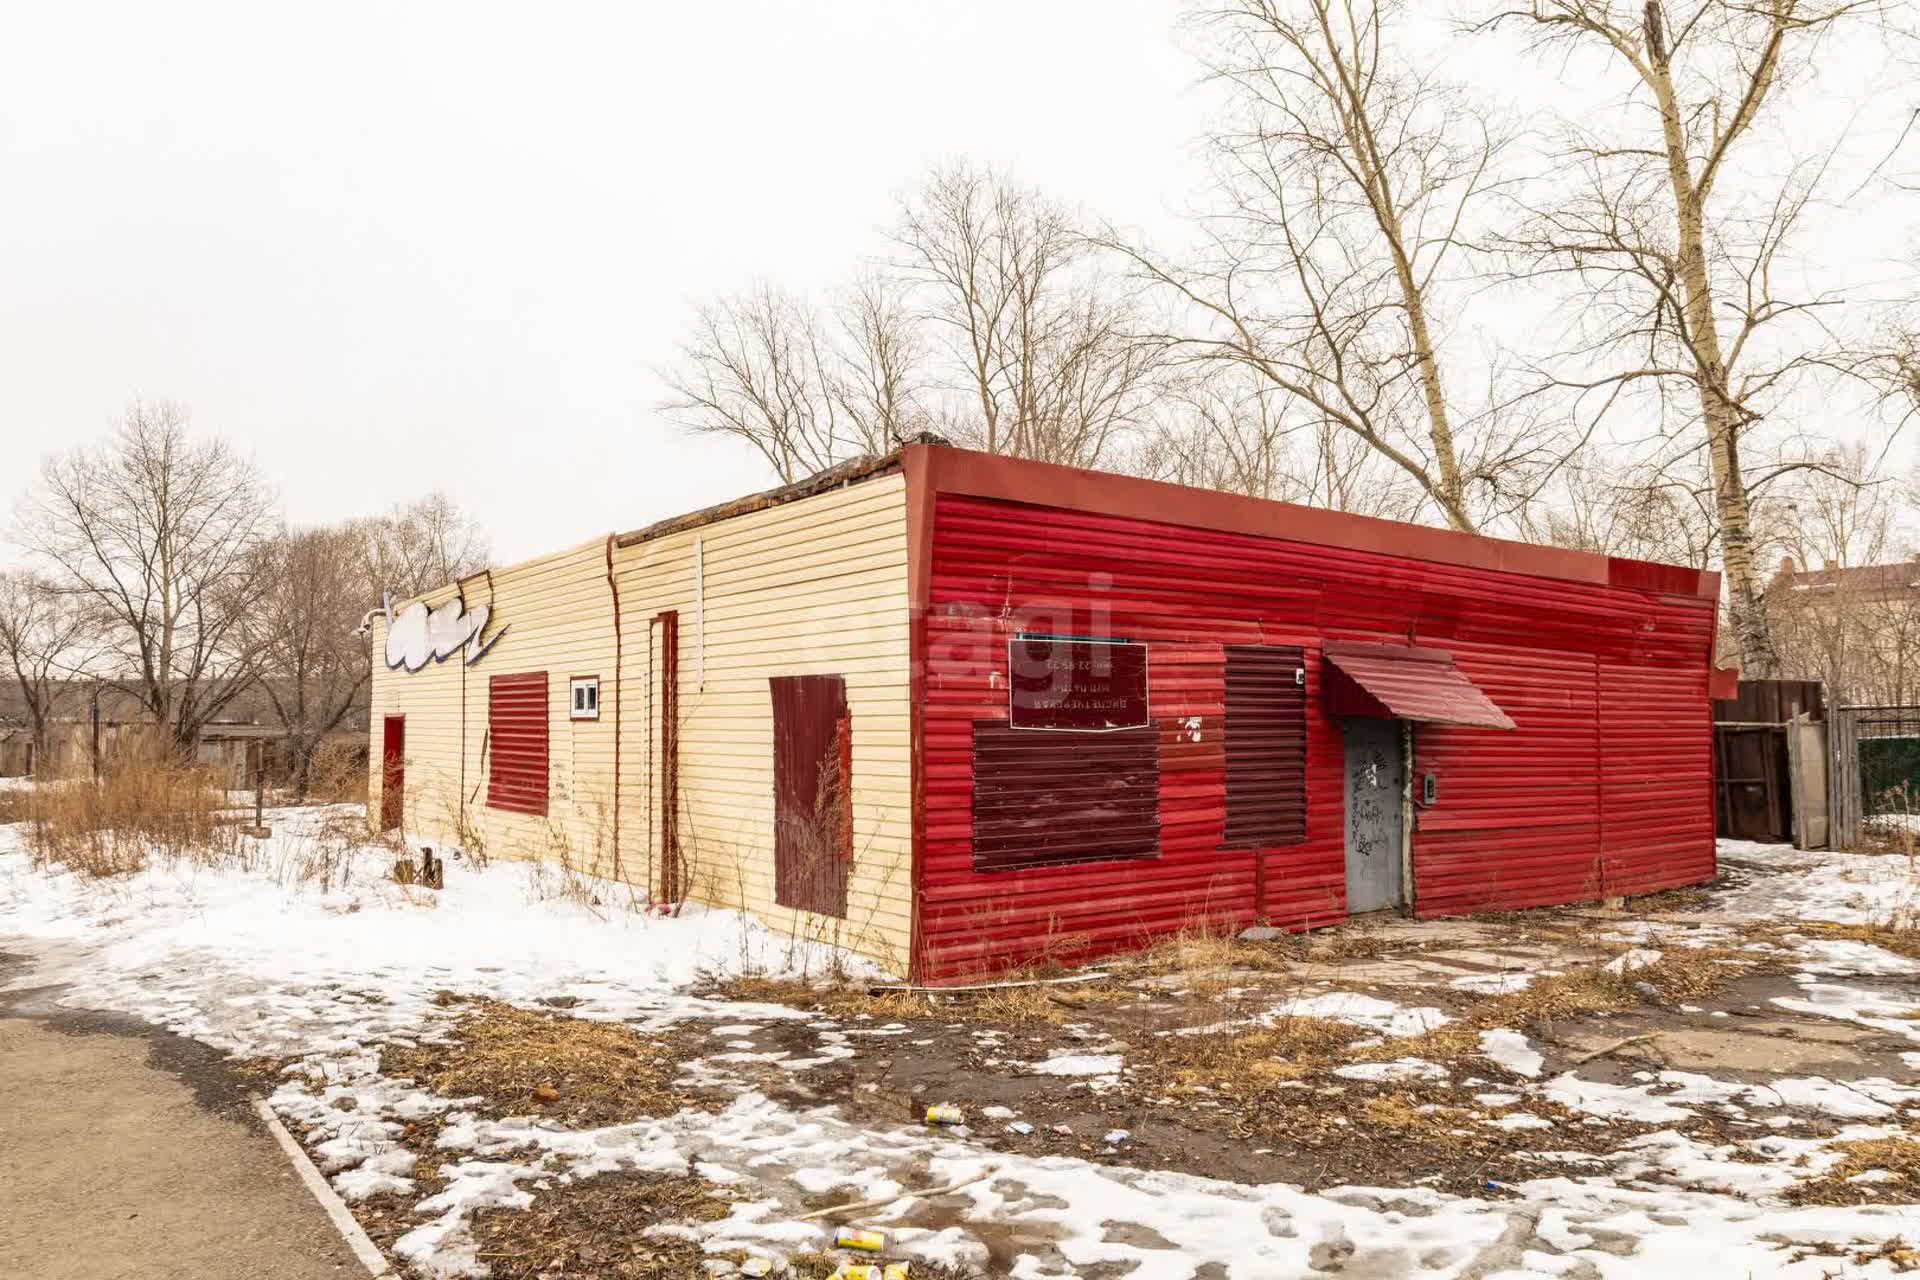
x=945, y=1114
x=854, y=1238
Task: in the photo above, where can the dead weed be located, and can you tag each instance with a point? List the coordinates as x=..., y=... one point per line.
x=522, y=1061
x=1044, y=1002
x=824, y=1266
x=1890, y=1168
x=598, y=1227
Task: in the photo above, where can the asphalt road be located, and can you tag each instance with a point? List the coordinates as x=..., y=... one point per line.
x=126, y=1152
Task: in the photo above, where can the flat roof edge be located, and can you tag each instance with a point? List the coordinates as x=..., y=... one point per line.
x=853, y=471
x=970, y=473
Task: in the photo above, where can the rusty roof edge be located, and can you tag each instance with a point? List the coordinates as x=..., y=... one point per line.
x=1335, y=528
x=853, y=471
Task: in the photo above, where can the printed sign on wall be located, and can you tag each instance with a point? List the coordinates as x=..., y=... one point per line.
x=418, y=635
x=1070, y=682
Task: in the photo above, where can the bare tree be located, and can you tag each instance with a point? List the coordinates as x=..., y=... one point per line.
x=1690, y=293
x=419, y=546
x=878, y=380
x=155, y=532
x=305, y=626
x=1037, y=349
x=765, y=368
x=42, y=642
x=1232, y=430
x=1640, y=509
x=1350, y=180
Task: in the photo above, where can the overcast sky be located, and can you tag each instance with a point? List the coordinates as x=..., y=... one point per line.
x=397, y=247
x=392, y=247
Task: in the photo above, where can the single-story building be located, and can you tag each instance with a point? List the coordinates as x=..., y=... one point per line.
x=958, y=711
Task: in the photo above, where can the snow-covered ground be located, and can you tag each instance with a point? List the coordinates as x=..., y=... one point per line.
x=255, y=962
x=1845, y=888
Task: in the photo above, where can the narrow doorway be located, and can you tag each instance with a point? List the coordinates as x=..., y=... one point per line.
x=1375, y=792
x=393, y=773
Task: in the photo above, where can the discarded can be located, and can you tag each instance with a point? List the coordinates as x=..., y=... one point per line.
x=854, y=1238
x=1117, y=1137
x=1020, y=1127
x=757, y=1266
x=857, y=1271
x=945, y=1114
x=895, y=1271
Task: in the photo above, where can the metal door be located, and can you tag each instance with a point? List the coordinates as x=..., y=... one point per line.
x=1375, y=791
x=812, y=798
x=393, y=773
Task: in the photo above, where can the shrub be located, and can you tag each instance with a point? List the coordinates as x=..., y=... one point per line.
x=143, y=809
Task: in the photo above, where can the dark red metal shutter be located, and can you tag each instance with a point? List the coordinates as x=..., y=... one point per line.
x=812, y=799
x=1266, y=746
x=517, y=742
x=1044, y=798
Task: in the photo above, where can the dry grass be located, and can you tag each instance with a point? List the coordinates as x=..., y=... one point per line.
x=1235, y=1063
x=1897, y=1158
x=141, y=811
x=823, y=1266
x=1242, y=1063
x=1005, y=1006
x=597, y=1227
x=527, y=1062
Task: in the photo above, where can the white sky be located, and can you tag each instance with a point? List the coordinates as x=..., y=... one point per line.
x=397, y=247
x=394, y=247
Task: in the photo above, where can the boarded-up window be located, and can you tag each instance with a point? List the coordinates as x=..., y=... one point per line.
x=812, y=793
x=1042, y=799
x=1266, y=746
x=517, y=742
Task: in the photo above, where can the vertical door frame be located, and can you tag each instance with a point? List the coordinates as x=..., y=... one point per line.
x=668, y=729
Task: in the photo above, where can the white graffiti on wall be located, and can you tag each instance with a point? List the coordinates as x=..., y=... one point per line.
x=418, y=635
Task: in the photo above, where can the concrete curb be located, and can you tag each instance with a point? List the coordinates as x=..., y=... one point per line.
x=342, y=1217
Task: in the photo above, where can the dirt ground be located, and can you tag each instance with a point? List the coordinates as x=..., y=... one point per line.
x=126, y=1152
x=1311, y=1128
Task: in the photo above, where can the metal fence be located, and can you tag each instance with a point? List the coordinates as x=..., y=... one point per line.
x=1874, y=769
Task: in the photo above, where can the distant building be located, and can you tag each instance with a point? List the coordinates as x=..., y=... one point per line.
x=1855, y=628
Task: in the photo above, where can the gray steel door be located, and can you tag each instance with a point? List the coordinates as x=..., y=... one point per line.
x=1374, y=795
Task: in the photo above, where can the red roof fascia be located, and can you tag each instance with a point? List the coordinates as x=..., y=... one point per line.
x=944, y=469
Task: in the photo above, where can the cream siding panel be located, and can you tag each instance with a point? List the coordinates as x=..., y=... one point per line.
x=553, y=614
x=816, y=586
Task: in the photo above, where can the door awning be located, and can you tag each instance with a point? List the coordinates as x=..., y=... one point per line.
x=1398, y=682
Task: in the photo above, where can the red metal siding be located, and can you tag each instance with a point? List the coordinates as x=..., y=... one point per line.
x=1655, y=768
x=517, y=742
x=1266, y=745
x=1520, y=813
x=1516, y=821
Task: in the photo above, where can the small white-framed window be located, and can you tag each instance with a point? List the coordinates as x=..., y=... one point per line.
x=583, y=698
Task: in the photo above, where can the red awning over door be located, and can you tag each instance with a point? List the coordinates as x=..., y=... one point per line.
x=1396, y=682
